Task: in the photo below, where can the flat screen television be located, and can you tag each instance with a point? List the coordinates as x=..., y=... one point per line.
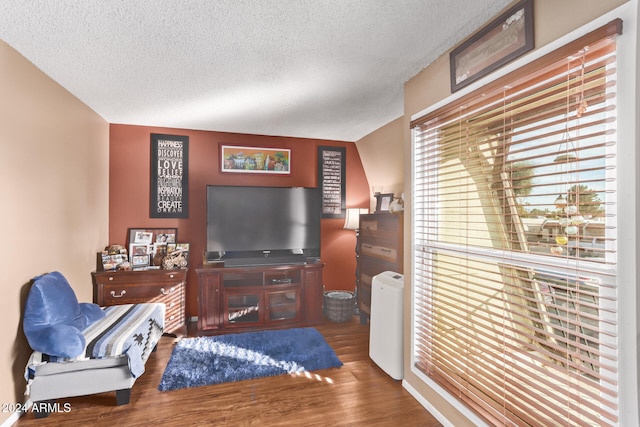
x=263, y=225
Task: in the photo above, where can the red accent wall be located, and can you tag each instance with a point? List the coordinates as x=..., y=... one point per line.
x=129, y=185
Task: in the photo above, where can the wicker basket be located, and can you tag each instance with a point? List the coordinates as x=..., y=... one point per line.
x=339, y=306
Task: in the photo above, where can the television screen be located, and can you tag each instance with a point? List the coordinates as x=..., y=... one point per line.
x=257, y=219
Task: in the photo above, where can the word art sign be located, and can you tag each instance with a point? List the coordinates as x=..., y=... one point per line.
x=169, y=194
x=331, y=178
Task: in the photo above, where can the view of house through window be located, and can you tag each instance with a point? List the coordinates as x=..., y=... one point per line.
x=514, y=241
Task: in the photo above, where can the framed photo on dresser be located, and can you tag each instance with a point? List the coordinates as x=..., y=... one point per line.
x=143, y=243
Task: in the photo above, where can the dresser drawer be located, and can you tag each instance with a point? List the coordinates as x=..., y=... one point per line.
x=135, y=277
x=115, y=293
x=174, y=317
x=378, y=230
x=153, y=286
x=381, y=252
x=172, y=297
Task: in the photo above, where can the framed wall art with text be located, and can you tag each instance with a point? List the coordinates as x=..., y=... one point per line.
x=332, y=165
x=169, y=193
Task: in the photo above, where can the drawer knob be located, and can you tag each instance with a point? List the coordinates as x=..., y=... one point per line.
x=122, y=292
x=163, y=292
x=110, y=277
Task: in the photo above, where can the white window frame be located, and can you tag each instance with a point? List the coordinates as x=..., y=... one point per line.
x=628, y=250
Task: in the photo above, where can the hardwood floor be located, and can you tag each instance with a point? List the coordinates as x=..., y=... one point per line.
x=358, y=393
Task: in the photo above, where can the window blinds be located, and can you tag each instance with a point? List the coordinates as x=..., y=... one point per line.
x=515, y=241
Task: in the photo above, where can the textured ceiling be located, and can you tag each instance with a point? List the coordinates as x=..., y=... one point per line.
x=329, y=69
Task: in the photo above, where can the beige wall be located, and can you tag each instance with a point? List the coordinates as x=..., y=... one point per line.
x=553, y=19
x=382, y=157
x=54, y=156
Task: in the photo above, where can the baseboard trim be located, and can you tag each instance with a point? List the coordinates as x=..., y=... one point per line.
x=466, y=412
x=428, y=406
x=15, y=416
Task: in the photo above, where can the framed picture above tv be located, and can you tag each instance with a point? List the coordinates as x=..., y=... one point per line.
x=241, y=159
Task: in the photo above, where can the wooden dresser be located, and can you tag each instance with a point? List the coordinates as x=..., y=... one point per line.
x=380, y=248
x=130, y=287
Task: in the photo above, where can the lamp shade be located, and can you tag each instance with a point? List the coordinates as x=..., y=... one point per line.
x=352, y=218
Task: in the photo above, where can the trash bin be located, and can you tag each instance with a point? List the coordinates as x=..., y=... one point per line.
x=339, y=306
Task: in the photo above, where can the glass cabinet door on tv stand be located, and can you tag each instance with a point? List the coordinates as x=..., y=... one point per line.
x=257, y=298
x=243, y=307
x=283, y=304
x=254, y=306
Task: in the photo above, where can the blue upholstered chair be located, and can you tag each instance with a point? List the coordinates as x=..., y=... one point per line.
x=81, y=348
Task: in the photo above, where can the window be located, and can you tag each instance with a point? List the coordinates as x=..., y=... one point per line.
x=515, y=241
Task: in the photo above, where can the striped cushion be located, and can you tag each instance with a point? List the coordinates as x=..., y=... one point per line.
x=128, y=329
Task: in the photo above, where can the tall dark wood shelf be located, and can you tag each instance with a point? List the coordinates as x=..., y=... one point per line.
x=380, y=248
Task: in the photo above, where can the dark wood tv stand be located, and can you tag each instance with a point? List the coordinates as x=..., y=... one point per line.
x=233, y=299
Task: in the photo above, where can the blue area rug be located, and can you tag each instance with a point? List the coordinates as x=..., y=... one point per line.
x=203, y=361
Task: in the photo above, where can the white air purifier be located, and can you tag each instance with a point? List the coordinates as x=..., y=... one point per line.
x=385, y=329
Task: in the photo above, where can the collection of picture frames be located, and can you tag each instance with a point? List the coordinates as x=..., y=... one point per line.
x=149, y=246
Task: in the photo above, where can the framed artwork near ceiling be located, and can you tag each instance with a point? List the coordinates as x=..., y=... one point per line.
x=498, y=43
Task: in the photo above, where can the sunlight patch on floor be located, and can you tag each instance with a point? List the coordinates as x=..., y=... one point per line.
x=311, y=376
